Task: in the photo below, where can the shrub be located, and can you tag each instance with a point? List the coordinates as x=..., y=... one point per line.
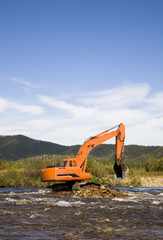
x=2, y=164
x=154, y=165
x=135, y=182
x=26, y=172
x=96, y=168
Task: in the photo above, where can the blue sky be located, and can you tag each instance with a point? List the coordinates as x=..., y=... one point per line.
x=72, y=68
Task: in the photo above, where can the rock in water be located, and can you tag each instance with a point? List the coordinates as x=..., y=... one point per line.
x=21, y=202
x=68, y=235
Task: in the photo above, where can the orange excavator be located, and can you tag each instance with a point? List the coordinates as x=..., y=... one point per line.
x=74, y=169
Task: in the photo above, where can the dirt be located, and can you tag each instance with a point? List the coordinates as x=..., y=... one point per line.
x=152, y=181
x=145, y=181
x=100, y=191
x=97, y=190
x=93, y=191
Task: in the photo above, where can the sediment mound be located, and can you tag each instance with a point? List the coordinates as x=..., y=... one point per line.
x=89, y=189
x=99, y=191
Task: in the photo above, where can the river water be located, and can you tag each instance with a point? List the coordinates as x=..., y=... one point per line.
x=38, y=214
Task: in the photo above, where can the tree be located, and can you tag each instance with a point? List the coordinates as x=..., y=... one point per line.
x=154, y=165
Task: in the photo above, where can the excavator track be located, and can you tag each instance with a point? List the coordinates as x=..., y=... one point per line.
x=63, y=186
x=71, y=186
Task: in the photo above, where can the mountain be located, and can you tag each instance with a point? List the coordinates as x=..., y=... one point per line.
x=19, y=146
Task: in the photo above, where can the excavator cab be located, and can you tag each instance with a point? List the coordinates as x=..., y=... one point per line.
x=70, y=162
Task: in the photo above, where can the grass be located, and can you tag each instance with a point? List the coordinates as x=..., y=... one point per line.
x=27, y=172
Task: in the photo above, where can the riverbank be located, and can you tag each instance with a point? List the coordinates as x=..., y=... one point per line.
x=128, y=181
x=152, y=181
x=142, y=181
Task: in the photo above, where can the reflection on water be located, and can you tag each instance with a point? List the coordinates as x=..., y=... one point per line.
x=38, y=214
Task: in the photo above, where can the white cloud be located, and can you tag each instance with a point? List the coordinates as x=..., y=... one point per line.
x=76, y=111
x=40, y=124
x=131, y=104
x=127, y=95
x=3, y=104
x=106, y=107
x=155, y=103
x=13, y=130
x=72, y=120
x=32, y=109
x=149, y=132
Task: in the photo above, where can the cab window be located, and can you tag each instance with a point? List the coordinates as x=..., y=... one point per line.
x=64, y=163
x=70, y=163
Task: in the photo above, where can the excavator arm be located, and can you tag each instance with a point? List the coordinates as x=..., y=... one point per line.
x=119, y=167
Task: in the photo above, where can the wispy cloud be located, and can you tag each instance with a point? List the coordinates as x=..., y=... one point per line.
x=25, y=83
x=77, y=111
x=125, y=102
x=127, y=95
x=6, y=104
x=32, y=109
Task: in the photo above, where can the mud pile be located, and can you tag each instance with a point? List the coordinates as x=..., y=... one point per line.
x=99, y=191
x=89, y=189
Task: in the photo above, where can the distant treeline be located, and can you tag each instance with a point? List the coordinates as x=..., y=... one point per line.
x=19, y=146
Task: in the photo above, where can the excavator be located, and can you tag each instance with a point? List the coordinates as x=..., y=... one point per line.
x=74, y=169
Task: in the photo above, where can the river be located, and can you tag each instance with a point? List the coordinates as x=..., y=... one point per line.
x=36, y=214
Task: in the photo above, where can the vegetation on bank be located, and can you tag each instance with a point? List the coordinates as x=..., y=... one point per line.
x=26, y=172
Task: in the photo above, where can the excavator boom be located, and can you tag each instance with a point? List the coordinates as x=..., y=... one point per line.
x=73, y=169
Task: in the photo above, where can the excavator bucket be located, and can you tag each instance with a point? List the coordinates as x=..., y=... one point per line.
x=120, y=170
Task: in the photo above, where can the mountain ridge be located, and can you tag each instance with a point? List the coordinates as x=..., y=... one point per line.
x=19, y=146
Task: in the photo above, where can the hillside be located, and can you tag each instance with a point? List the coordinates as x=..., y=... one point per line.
x=19, y=146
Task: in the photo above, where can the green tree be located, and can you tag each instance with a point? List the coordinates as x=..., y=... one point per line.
x=154, y=165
